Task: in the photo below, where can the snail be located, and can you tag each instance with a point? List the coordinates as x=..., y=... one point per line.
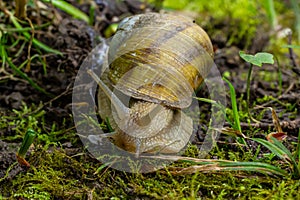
x=157, y=60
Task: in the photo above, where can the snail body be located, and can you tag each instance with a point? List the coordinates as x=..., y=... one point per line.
x=158, y=60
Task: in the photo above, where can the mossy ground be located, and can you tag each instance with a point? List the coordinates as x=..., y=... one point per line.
x=61, y=167
x=56, y=175
x=64, y=170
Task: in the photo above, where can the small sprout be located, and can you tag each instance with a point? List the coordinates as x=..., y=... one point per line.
x=27, y=141
x=258, y=59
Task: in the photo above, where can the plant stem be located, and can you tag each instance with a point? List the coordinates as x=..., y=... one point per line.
x=248, y=94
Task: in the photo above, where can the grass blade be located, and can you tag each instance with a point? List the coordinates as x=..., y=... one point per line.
x=68, y=8
x=273, y=148
x=254, y=167
x=281, y=151
x=208, y=165
x=236, y=117
x=289, y=154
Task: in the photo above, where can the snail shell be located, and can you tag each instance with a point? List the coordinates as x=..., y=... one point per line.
x=158, y=60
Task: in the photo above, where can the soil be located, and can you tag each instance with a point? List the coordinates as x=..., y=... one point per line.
x=75, y=39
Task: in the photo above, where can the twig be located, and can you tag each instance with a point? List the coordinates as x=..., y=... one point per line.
x=27, y=69
x=284, y=95
x=68, y=89
x=291, y=125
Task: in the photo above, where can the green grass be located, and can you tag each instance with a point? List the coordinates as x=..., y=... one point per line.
x=258, y=60
x=28, y=36
x=29, y=39
x=56, y=174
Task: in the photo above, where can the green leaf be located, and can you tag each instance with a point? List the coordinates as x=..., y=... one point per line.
x=258, y=59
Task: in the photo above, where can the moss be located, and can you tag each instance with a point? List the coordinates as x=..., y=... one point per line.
x=61, y=172
x=55, y=175
x=239, y=17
